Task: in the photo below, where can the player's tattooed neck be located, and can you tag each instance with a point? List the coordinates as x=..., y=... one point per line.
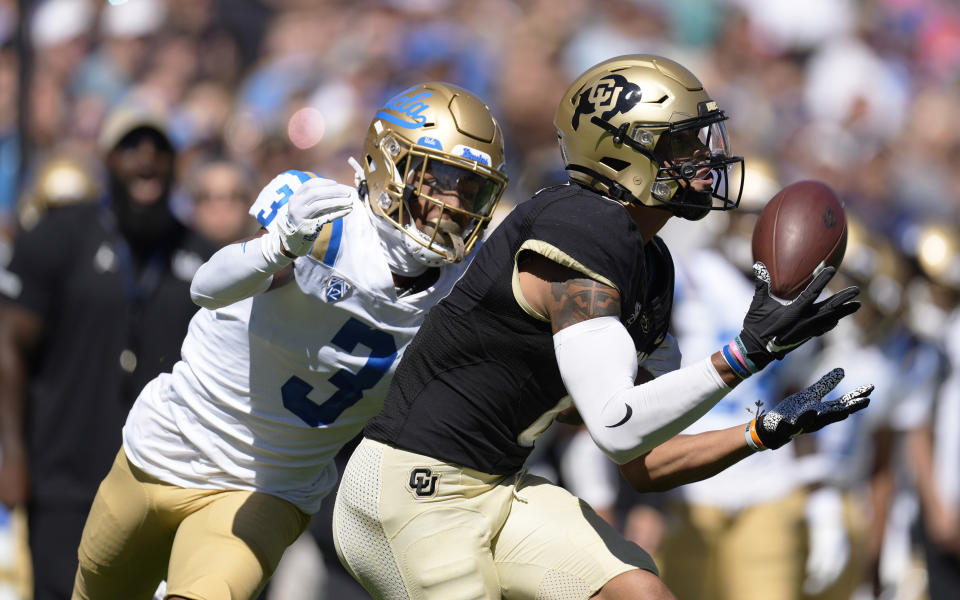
x=577, y=300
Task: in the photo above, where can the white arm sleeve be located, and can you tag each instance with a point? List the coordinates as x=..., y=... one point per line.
x=237, y=271
x=598, y=364
x=665, y=358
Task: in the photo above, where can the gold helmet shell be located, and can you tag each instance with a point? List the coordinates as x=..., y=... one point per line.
x=938, y=254
x=641, y=129
x=62, y=180
x=874, y=263
x=428, y=133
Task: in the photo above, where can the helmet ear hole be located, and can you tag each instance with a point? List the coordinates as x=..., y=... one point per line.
x=614, y=163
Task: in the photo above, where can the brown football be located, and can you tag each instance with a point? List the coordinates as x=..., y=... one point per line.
x=803, y=227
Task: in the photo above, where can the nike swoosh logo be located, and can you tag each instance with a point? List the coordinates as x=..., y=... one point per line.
x=625, y=418
x=773, y=346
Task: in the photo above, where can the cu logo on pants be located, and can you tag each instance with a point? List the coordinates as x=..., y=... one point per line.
x=423, y=482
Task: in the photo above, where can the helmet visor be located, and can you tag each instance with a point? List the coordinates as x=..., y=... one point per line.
x=695, y=163
x=692, y=144
x=463, y=190
x=451, y=198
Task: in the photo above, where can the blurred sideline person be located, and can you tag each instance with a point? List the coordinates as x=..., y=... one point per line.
x=855, y=460
x=62, y=180
x=710, y=524
x=550, y=317
x=101, y=307
x=225, y=458
x=934, y=444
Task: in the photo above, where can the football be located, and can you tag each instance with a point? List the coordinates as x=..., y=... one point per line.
x=803, y=227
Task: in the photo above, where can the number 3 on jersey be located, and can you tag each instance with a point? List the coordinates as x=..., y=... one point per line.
x=350, y=386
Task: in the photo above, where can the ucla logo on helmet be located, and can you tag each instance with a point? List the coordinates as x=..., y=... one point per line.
x=336, y=289
x=406, y=109
x=613, y=95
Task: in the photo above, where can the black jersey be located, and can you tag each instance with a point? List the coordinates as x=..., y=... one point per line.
x=475, y=381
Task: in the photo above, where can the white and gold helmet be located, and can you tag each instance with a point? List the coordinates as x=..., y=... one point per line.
x=641, y=129
x=429, y=137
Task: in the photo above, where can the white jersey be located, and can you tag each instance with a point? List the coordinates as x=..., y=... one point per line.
x=269, y=388
x=711, y=297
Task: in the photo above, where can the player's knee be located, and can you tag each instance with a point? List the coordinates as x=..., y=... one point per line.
x=635, y=584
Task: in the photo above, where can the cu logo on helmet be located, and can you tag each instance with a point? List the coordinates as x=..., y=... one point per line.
x=604, y=95
x=423, y=482
x=613, y=95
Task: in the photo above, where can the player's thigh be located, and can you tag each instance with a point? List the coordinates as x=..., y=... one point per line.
x=429, y=541
x=126, y=539
x=691, y=545
x=229, y=548
x=554, y=546
x=773, y=569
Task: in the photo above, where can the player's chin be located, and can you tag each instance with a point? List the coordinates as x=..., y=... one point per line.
x=704, y=185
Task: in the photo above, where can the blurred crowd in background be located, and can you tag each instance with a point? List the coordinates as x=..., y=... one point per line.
x=861, y=94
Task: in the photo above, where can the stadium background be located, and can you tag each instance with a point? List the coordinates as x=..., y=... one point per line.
x=861, y=94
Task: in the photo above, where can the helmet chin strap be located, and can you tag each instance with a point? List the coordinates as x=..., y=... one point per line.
x=449, y=234
x=396, y=249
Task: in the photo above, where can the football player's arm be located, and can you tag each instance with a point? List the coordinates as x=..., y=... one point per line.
x=248, y=268
x=686, y=458
x=241, y=270
x=20, y=333
x=598, y=363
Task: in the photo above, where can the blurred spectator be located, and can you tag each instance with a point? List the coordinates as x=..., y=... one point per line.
x=858, y=459
x=9, y=146
x=934, y=445
x=222, y=193
x=96, y=304
x=127, y=29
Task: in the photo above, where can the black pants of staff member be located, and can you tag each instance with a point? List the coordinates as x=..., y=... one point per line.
x=943, y=571
x=54, y=535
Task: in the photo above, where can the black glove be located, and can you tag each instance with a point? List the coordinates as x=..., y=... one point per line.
x=805, y=412
x=773, y=327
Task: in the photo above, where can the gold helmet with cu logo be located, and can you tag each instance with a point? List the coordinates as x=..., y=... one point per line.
x=436, y=144
x=641, y=129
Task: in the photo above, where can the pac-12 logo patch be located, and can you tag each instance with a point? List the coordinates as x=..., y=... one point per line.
x=336, y=289
x=423, y=482
x=613, y=95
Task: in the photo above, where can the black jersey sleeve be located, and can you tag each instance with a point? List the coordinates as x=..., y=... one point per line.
x=590, y=234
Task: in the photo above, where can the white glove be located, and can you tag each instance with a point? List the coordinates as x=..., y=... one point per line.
x=829, y=547
x=315, y=203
